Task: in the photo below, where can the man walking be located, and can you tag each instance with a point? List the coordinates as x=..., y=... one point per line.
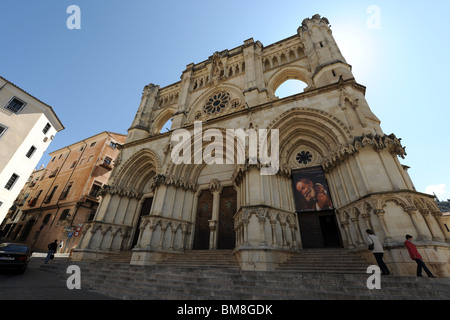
x=415, y=255
x=51, y=250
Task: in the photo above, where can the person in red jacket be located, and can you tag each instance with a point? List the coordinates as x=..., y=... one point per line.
x=415, y=255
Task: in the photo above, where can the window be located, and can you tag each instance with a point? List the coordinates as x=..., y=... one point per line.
x=46, y=128
x=15, y=105
x=107, y=163
x=11, y=181
x=31, y=152
x=113, y=145
x=95, y=190
x=90, y=158
x=50, y=196
x=73, y=165
x=46, y=219
x=92, y=144
x=32, y=201
x=66, y=191
x=53, y=159
x=3, y=129
x=64, y=215
x=54, y=173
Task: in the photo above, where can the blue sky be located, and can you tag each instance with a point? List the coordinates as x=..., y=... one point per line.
x=93, y=77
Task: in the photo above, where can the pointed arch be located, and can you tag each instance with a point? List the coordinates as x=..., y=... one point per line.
x=317, y=130
x=138, y=170
x=288, y=73
x=161, y=119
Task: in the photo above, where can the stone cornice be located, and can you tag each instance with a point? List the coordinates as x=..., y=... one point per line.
x=377, y=142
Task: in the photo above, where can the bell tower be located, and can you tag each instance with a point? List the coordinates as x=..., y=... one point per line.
x=326, y=60
x=140, y=128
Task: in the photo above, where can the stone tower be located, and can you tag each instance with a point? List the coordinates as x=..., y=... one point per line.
x=155, y=207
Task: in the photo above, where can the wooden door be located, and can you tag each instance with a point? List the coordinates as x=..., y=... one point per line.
x=227, y=209
x=204, y=213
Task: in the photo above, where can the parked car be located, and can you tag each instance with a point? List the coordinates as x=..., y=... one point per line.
x=14, y=256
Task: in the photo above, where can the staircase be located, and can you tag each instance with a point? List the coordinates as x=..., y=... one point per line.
x=215, y=275
x=325, y=260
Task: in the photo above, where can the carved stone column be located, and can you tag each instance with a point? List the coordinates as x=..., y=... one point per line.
x=431, y=223
x=355, y=222
x=216, y=188
x=345, y=225
x=438, y=216
x=412, y=211
x=366, y=219
x=380, y=214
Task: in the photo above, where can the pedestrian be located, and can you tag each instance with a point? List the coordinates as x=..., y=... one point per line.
x=51, y=250
x=415, y=255
x=378, y=251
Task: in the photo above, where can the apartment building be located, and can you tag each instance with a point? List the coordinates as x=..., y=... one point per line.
x=27, y=127
x=60, y=198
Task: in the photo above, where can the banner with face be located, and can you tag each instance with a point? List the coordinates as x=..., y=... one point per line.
x=311, y=191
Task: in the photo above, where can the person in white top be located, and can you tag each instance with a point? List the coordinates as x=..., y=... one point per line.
x=377, y=251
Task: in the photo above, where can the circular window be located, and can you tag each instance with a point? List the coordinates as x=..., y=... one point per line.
x=217, y=102
x=304, y=157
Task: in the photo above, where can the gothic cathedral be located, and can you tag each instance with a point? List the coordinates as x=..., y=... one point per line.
x=264, y=177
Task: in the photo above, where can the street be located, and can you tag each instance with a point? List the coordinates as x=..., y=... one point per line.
x=36, y=284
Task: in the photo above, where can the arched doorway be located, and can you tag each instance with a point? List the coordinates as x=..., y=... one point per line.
x=145, y=210
x=228, y=207
x=315, y=210
x=204, y=214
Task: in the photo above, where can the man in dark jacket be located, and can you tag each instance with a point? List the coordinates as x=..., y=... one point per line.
x=51, y=250
x=415, y=255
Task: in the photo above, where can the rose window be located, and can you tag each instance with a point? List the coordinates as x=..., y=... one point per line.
x=304, y=157
x=217, y=102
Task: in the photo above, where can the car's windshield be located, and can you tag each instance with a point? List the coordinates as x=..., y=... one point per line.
x=8, y=247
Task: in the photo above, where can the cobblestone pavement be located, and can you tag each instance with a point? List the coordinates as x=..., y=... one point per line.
x=37, y=284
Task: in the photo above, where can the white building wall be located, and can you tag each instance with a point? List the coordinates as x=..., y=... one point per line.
x=25, y=130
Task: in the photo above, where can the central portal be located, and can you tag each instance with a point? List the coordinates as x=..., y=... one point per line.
x=206, y=224
x=228, y=206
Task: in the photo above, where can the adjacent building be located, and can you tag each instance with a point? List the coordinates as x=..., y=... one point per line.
x=59, y=199
x=27, y=127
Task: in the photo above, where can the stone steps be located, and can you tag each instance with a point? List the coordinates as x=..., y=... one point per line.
x=325, y=260
x=215, y=275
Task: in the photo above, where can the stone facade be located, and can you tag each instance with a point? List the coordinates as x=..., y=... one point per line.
x=156, y=207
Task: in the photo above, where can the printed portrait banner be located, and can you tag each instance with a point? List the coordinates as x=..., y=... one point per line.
x=311, y=192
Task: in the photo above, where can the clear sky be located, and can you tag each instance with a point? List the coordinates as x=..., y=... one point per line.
x=93, y=77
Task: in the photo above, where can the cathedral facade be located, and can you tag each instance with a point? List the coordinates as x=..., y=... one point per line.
x=241, y=169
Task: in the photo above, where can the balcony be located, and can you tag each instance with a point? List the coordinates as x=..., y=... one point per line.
x=32, y=202
x=106, y=166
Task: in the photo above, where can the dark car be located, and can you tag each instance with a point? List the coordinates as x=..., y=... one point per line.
x=14, y=256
